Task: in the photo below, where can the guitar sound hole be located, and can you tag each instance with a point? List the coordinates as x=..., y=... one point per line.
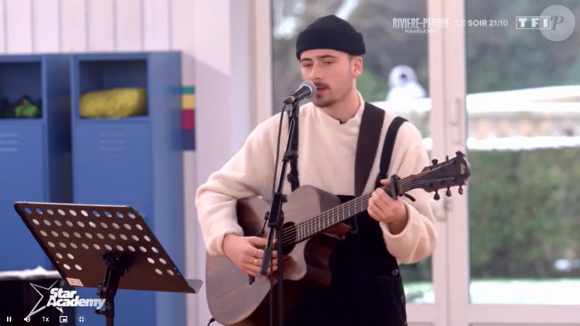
x=289, y=237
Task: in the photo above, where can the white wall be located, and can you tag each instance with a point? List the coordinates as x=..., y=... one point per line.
x=218, y=52
x=46, y=26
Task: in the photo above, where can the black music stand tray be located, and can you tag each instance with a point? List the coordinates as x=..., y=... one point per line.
x=103, y=247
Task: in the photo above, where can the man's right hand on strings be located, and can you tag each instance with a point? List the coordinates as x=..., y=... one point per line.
x=247, y=253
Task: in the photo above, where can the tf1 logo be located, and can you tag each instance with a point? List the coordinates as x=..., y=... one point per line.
x=538, y=22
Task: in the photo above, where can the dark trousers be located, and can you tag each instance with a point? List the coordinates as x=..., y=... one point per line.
x=355, y=301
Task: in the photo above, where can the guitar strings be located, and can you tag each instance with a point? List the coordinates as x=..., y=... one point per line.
x=361, y=202
x=305, y=229
x=289, y=234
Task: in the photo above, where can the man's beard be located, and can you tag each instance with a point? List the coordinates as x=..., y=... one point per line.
x=327, y=99
x=323, y=102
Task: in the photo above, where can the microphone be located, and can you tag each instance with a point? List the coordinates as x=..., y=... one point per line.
x=305, y=90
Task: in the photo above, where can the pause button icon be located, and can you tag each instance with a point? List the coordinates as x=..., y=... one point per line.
x=9, y=319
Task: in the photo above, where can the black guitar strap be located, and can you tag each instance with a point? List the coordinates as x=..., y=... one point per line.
x=388, y=146
x=367, y=147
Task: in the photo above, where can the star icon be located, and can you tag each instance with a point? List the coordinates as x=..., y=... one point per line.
x=42, y=300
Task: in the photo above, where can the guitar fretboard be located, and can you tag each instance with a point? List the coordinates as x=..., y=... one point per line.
x=341, y=213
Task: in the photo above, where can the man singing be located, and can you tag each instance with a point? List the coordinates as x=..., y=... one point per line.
x=366, y=287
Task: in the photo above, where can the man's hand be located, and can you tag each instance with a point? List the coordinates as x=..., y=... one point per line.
x=385, y=209
x=247, y=253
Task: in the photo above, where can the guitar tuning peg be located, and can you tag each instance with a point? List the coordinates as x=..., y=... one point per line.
x=447, y=157
x=434, y=161
x=437, y=197
x=460, y=190
x=448, y=192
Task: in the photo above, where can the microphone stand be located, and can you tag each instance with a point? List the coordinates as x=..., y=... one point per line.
x=276, y=217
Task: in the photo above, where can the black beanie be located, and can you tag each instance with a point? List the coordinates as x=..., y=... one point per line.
x=330, y=32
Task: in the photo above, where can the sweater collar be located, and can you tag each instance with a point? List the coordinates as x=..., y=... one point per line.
x=354, y=120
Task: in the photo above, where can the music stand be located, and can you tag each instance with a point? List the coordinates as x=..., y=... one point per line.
x=103, y=247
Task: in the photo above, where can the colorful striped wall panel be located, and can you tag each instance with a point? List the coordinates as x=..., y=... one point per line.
x=188, y=117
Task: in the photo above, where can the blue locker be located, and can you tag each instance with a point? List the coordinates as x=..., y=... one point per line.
x=133, y=161
x=35, y=153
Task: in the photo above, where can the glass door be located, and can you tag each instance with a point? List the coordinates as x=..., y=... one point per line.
x=403, y=73
x=513, y=105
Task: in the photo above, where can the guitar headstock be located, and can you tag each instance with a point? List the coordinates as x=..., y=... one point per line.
x=452, y=172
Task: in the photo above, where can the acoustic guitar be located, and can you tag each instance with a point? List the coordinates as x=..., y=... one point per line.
x=308, y=212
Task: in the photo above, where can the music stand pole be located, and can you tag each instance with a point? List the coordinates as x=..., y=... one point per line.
x=276, y=216
x=108, y=289
x=77, y=239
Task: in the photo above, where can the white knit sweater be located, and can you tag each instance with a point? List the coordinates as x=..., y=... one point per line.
x=326, y=161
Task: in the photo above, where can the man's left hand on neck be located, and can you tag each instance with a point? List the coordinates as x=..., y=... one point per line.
x=392, y=212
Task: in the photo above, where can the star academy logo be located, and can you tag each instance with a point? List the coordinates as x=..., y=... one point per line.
x=59, y=298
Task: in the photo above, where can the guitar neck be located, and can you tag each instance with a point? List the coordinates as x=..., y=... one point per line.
x=342, y=212
x=451, y=172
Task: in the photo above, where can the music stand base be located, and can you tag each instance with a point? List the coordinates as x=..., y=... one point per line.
x=108, y=289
